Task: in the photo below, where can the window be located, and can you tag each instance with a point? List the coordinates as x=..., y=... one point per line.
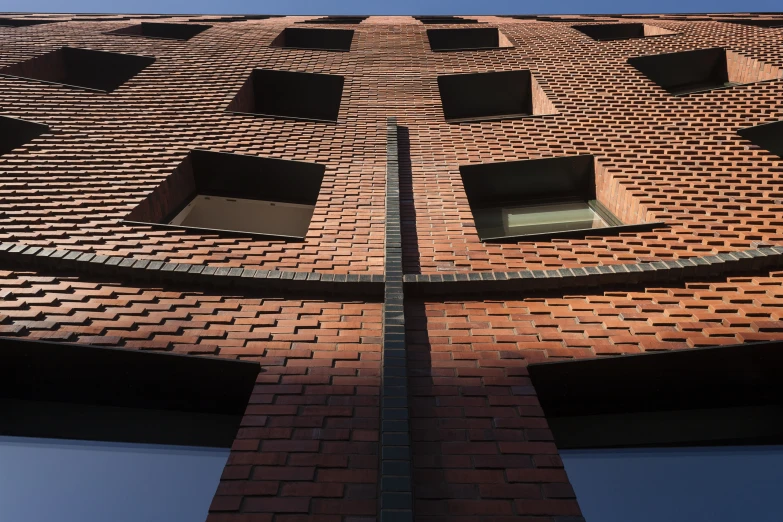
x=768, y=136
x=20, y=22
x=428, y=20
x=537, y=219
x=122, y=435
x=247, y=215
x=85, y=68
x=537, y=199
x=320, y=39
x=295, y=95
x=677, y=484
x=467, y=39
x=162, y=30
x=756, y=22
x=701, y=70
x=93, y=481
x=492, y=96
x=353, y=20
x=621, y=31
x=678, y=436
x=223, y=193
x=15, y=132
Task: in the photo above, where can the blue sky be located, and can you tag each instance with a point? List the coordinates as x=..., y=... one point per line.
x=388, y=7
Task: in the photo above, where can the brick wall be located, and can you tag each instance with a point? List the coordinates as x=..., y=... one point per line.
x=308, y=449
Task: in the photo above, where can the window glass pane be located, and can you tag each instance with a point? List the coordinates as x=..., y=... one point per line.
x=716, y=484
x=536, y=219
x=246, y=215
x=561, y=213
x=86, y=481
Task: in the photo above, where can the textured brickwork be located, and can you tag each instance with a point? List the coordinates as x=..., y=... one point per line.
x=323, y=316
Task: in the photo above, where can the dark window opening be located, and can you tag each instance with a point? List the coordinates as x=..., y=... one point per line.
x=295, y=95
x=467, y=39
x=122, y=435
x=18, y=22
x=688, y=71
x=162, y=30
x=491, y=96
x=15, y=132
x=96, y=70
x=430, y=20
x=233, y=194
x=538, y=199
x=756, y=22
x=221, y=19
x=612, y=31
x=768, y=136
x=353, y=20
x=563, y=19
x=319, y=39
x=702, y=428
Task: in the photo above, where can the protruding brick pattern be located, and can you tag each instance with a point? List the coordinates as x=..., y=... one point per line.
x=366, y=397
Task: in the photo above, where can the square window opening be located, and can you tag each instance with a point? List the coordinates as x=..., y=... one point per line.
x=15, y=132
x=162, y=30
x=467, y=39
x=701, y=70
x=433, y=20
x=19, y=22
x=768, y=136
x=233, y=194
x=630, y=425
x=492, y=96
x=315, y=39
x=123, y=435
x=348, y=19
x=84, y=68
x=755, y=22
x=621, y=31
x=294, y=95
x=538, y=200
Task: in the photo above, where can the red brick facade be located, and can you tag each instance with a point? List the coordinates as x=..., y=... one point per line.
x=309, y=446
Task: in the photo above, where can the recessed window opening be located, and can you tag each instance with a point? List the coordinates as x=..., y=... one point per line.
x=221, y=19
x=621, y=31
x=163, y=30
x=700, y=428
x=18, y=22
x=563, y=19
x=467, y=39
x=85, y=68
x=15, y=132
x=235, y=194
x=491, y=96
x=768, y=136
x=756, y=22
x=429, y=20
x=690, y=72
x=295, y=95
x=317, y=39
x=353, y=20
x=123, y=435
x=538, y=199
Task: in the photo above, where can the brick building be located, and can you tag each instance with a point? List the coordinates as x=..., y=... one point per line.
x=400, y=222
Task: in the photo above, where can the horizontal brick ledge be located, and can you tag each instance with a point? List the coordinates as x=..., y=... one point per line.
x=565, y=279
x=23, y=256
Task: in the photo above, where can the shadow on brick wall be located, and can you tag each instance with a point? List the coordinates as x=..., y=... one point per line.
x=410, y=240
